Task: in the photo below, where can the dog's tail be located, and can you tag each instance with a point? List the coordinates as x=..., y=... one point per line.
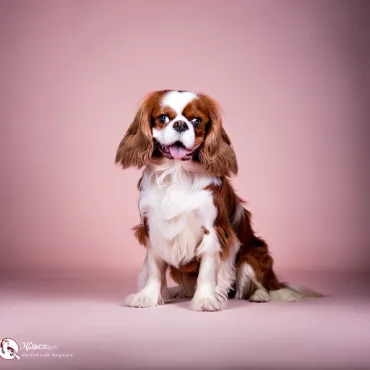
x=293, y=293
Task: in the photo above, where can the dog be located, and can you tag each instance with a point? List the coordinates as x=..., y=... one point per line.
x=192, y=221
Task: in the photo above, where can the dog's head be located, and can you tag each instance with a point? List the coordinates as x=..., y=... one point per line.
x=179, y=126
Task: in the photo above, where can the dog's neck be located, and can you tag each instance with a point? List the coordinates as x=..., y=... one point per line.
x=166, y=172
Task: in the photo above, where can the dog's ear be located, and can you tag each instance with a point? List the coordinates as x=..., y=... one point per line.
x=136, y=147
x=217, y=155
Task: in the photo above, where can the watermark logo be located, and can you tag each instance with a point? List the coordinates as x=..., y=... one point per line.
x=29, y=346
x=9, y=349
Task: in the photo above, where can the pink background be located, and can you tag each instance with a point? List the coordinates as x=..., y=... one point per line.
x=293, y=80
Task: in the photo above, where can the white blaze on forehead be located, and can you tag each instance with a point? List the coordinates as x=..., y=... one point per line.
x=178, y=100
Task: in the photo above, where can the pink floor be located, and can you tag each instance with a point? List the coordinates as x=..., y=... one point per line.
x=81, y=316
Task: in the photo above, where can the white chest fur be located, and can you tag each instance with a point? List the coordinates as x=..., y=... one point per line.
x=171, y=197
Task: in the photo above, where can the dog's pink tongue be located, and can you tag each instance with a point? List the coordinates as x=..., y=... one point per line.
x=178, y=152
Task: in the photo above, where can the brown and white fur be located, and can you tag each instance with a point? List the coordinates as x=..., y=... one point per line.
x=192, y=221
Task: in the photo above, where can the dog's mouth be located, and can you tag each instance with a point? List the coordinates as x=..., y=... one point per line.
x=176, y=150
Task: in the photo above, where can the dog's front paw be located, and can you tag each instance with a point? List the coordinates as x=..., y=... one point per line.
x=143, y=300
x=208, y=304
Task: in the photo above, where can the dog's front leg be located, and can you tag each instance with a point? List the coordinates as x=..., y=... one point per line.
x=153, y=277
x=205, y=298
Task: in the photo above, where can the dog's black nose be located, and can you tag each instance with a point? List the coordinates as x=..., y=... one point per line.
x=180, y=126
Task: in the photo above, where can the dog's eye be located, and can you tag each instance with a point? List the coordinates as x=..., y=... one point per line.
x=163, y=119
x=196, y=121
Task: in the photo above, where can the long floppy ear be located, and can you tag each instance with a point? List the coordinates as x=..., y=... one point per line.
x=217, y=155
x=136, y=147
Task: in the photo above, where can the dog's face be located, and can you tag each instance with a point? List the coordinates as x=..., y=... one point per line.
x=179, y=126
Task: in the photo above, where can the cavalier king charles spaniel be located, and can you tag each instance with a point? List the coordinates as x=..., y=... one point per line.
x=192, y=221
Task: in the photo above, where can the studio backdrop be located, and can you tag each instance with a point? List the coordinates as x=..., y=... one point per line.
x=292, y=82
